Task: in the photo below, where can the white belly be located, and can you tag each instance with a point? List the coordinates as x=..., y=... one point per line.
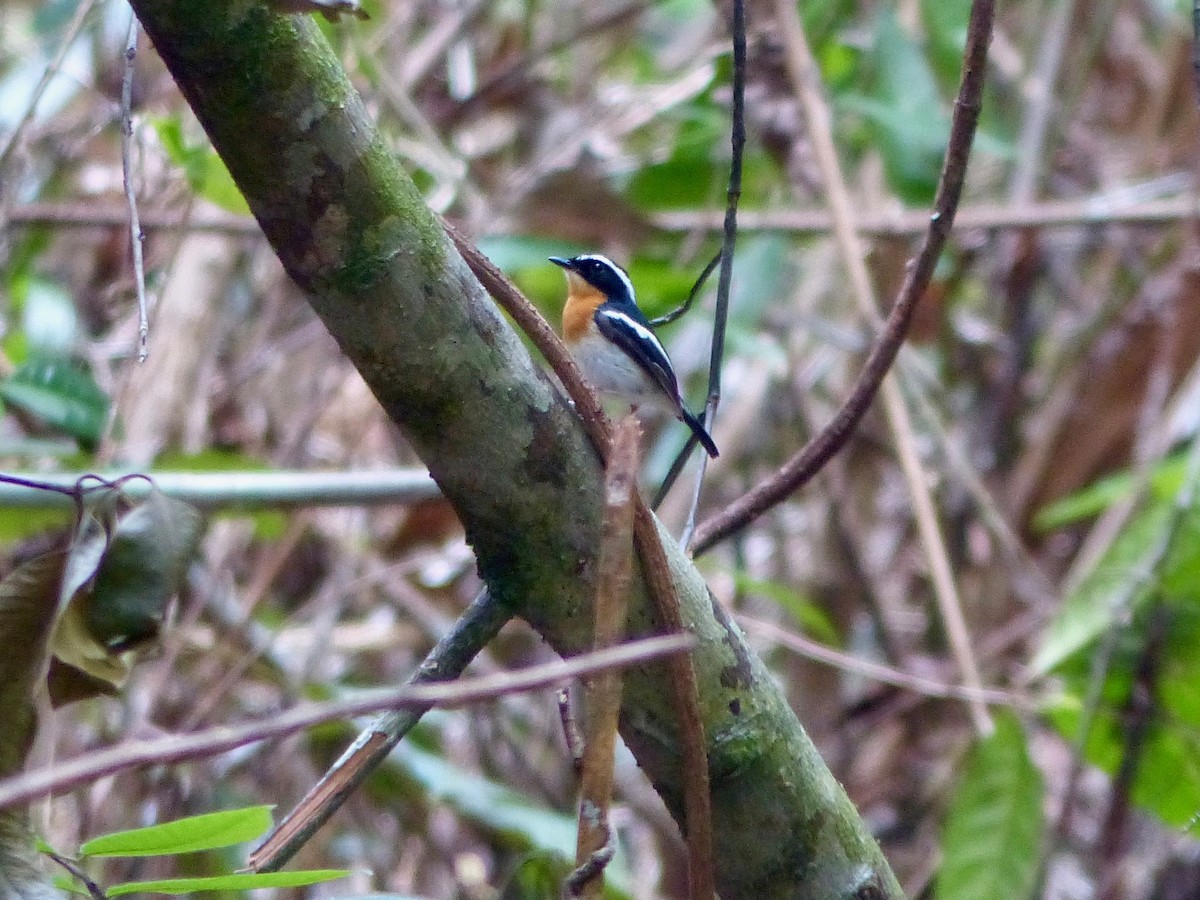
x=612, y=372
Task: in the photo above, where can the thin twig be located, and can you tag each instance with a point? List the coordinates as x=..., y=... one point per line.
x=602, y=697
x=135, y=229
x=804, y=464
x=810, y=649
x=656, y=570
x=701, y=280
x=1099, y=210
x=414, y=698
x=585, y=880
x=733, y=195
x=472, y=631
x=806, y=77
x=94, y=890
x=1043, y=99
x=1196, y=46
x=507, y=76
x=572, y=735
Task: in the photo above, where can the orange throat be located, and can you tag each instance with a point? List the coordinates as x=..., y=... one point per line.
x=582, y=302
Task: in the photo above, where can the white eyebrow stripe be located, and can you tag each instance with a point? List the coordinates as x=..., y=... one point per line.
x=599, y=257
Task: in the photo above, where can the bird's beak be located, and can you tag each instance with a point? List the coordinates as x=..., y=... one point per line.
x=567, y=264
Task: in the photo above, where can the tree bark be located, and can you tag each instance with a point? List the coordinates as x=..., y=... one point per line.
x=508, y=452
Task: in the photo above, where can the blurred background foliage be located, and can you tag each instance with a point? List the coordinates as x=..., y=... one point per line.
x=1051, y=372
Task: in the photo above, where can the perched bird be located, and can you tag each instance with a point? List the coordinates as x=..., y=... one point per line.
x=612, y=343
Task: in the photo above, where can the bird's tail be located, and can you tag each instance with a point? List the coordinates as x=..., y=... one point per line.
x=698, y=430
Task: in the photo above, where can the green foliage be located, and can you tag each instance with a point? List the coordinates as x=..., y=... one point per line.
x=1167, y=778
x=992, y=835
x=1150, y=574
x=49, y=322
x=904, y=112
x=241, y=881
x=205, y=171
x=539, y=876
x=946, y=28
x=1166, y=479
x=60, y=394
x=1118, y=584
x=209, y=831
x=121, y=570
x=809, y=615
x=143, y=569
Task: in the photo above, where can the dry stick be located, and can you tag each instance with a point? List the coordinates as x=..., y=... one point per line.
x=733, y=195
x=602, y=697
x=689, y=445
x=808, y=461
x=656, y=569
x=472, y=631
x=1196, y=45
x=1043, y=97
x=810, y=649
x=413, y=697
x=729, y=229
x=135, y=229
x=1102, y=209
x=806, y=79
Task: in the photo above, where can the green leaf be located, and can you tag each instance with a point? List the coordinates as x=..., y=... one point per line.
x=244, y=881
x=1167, y=781
x=946, y=26
x=904, y=112
x=143, y=569
x=1118, y=580
x=538, y=876
x=992, y=835
x=204, y=169
x=61, y=395
x=204, y=832
x=811, y=618
x=211, y=459
x=1166, y=479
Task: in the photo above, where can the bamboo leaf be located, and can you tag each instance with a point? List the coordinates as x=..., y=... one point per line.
x=204, y=832
x=238, y=882
x=993, y=831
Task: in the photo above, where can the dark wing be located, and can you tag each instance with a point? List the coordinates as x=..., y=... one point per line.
x=639, y=342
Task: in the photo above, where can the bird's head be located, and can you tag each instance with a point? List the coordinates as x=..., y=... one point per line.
x=595, y=273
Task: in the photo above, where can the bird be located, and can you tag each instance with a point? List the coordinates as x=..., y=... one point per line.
x=612, y=342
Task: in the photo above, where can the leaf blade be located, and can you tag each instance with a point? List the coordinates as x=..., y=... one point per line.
x=208, y=831
x=992, y=834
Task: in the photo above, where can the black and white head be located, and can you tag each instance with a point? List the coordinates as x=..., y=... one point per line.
x=601, y=273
